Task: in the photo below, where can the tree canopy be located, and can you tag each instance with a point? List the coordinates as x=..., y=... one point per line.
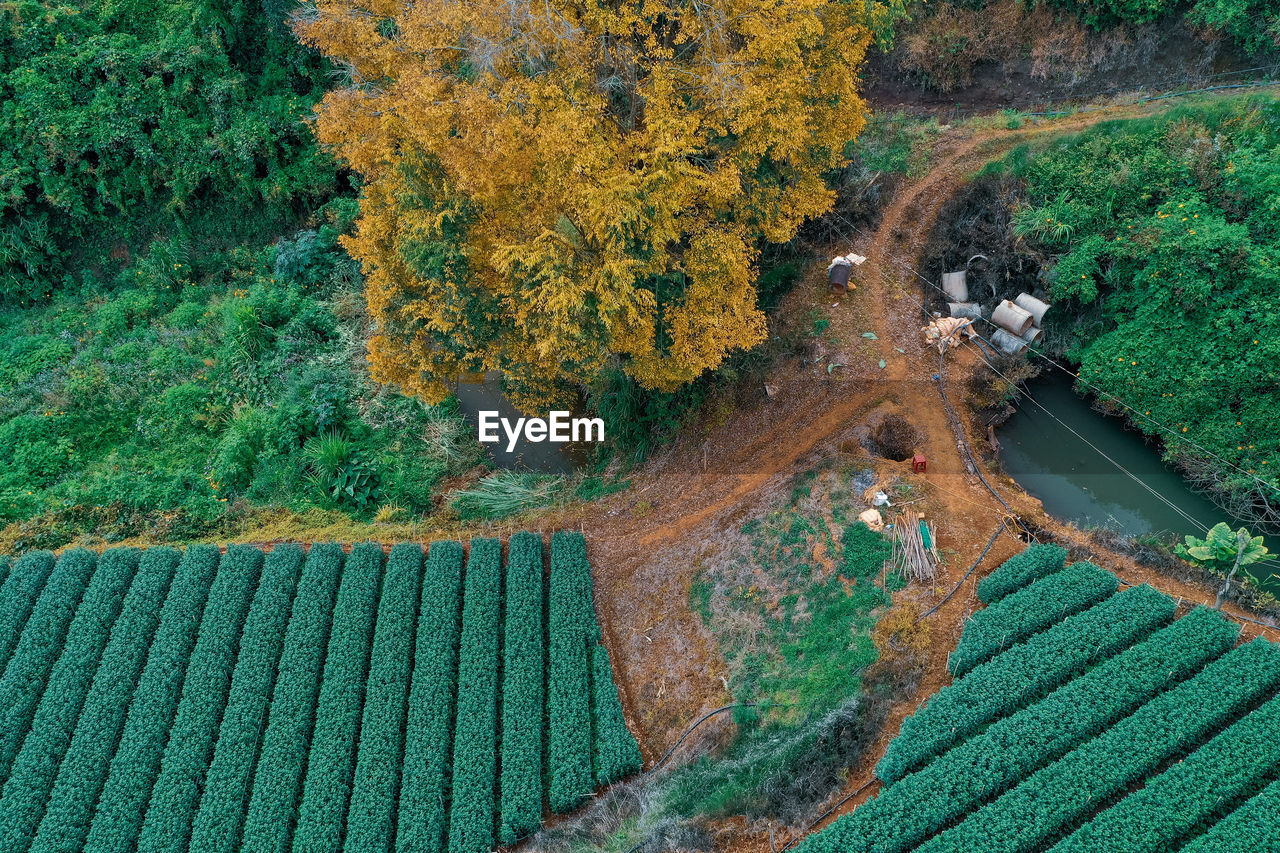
x=557, y=188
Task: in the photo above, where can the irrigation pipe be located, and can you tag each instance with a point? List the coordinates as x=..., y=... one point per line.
x=972, y=569
x=820, y=818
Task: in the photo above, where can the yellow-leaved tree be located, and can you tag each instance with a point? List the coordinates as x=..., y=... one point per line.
x=555, y=187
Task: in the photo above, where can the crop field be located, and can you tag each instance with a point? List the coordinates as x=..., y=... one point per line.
x=1084, y=718
x=306, y=701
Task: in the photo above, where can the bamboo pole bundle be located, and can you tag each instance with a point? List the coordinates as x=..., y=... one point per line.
x=913, y=557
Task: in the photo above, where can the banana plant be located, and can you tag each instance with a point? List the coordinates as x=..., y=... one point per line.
x=1223, y=548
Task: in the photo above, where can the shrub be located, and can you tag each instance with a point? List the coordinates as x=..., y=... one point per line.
x=1023, y=674
x=123, y=802
x=325, y=792
x=1016, y=617
x=910, y=810
x=219, y=821
x=373, y=799
x=41, y=643
x=175, y=798
x=44, y=745
x=428, y=744
x=523, y=671
x=278, y=779
x=569, y=681
x=475, y=758
x=1034, y=563
x=97, y=732
x=615, y=753
x=22, y=584
x=1072, y=787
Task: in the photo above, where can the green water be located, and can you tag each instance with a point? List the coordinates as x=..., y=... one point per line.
x=1052, y=459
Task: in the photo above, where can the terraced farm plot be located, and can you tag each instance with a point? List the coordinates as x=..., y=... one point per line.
x=317, y=701
x=1084, y=719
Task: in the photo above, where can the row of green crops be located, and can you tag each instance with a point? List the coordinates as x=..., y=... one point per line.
x=1021, y=569
x=1021, y=614
x=1251, y=827
x=299, y=700
x=1188, y=793
x=1062, y=793
x=1023, y=675
x=568, y=684
x=1104, y=732
x=912, y=809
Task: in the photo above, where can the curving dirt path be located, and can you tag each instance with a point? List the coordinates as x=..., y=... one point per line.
x=647, y=542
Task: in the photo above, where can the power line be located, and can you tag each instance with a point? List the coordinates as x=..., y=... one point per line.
x=1186, y=516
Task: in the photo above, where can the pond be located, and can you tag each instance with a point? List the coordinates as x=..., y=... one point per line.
x=542, y=457
x=1049, y=455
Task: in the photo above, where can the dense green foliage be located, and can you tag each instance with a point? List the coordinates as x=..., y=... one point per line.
x=176, y=795
x=35, y=767
x=614, y=751
x=97, y=731
x=22, y=585
x=226, y=788
x=1167, y=240
x=207, y=388
x=145, y=117
x=1249, y=828
x=569, y=677
x=428, y=746
x=278, y=778
x=1016, y=617
x=1253, y=24
x=123, y=803
x=1021, y=569
x=910, y=810
x=370, y=820
x=1071, y=788
x=523, y=673
x=1188, y=793
x=331, y=762
x=41, y=643
x=475, y=751
x=1023, y=674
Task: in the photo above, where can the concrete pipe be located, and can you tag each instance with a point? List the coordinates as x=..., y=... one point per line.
x=1008, y=344
x=954, y=285
x=1032, y=306
x=1033, y=335
x=972, y=310
x=1011, y=317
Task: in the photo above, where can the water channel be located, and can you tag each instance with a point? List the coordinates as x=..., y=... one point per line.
x=1048, y=455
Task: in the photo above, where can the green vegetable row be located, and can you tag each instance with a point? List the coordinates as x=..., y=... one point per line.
x=475, y=749
x=226, y=790
x=1248, y=829
x=1064, y=792
x=912, y=809
x=1023, y=674
x=523, y=659
x=1035, y=562
x=569, y=680
x=97, y=733
x=167, y=826
x=123, y=803
x=35, y=768
x=615, y=753
x=285, y=743
x=22, y=584
x=1017, y=616
x=41, y=643
x=327, y=788
x=377, y=779
x=1189, y=793
x=428, y=746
